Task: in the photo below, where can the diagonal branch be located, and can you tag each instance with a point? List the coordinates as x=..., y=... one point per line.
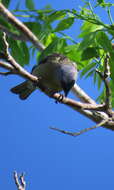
x=21, y=27
x=82, y=95
x=75, y=134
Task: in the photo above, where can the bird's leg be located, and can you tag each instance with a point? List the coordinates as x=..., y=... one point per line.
x=51, y=93
x=59, y=99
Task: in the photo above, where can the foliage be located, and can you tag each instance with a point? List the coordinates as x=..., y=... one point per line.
x=50, y=26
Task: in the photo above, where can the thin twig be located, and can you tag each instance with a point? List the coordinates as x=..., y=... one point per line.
x=6, y=46
x=74, y=134
x=104, y=76
x=22, y=180
x=13, y=65
x=6, y=65
x=13, y=35
x=6, y=73
x=19, y=181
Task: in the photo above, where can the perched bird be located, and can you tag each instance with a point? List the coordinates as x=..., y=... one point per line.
x=57, y=73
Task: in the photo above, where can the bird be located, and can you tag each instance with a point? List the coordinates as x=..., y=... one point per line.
x=56, y=72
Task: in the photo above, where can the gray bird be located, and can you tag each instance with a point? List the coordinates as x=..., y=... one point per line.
x=57, y=73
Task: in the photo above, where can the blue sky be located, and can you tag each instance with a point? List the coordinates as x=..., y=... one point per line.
x=52, y=160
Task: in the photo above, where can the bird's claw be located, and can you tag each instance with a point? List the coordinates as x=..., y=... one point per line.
x=59, y=99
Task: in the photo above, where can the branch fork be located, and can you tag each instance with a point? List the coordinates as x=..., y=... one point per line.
x=19, y=181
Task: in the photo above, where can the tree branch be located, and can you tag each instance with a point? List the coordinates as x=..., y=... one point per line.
x=21, y=27
x=75, y=134
x=13, y=35
x=12, y=65
x=82, y=95
x=19, y=181
x=104, y=76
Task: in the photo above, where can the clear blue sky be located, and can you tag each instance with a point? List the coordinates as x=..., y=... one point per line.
x=52, y=160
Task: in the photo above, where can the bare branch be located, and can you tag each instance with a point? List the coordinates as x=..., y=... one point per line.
x=19, y=181
x=75, y=134
x=82, y=95
x=17, y=69
x=21, y=27
x=22, y=181
x=12, y=65
x=104, y=76
x=106, y=81
x=6, y=73
x=6, y=46
x=79, y=105
x=6, y=65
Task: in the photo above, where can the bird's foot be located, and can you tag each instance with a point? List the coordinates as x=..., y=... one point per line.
x=59, y=99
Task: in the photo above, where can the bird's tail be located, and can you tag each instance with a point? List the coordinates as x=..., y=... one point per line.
x=22, y=90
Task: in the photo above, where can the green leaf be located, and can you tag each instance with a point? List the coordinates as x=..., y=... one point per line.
x=16, y=51
x=56, y=46
x=19, y=51
x=35, y=27
x=30, y=4
x=57, y=15
x=102, y=96
x=89, y=53
x=72, y=52
x=99, y=81
x=100, y=1
x=90, y=74
x=112, y=90
x=88, y=27
x=26, y=55
x=87, y=68
x=4, y=22
x=49, y=38
x=103, y=4
x=112, y=65
x=87, y=41
x=6, y=2
x=64, y=24
x=103, y=40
